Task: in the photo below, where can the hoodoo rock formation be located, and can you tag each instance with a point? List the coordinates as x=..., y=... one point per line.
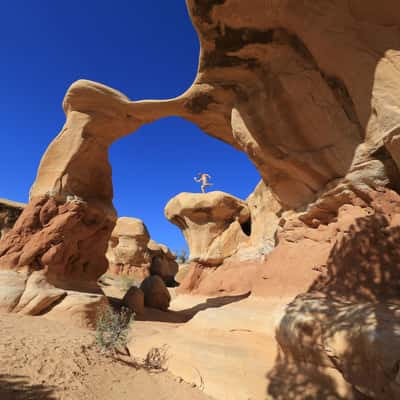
x=127, y=249
x=132, y=253
x=310, y=91
x=226, y=237
x=214, y=224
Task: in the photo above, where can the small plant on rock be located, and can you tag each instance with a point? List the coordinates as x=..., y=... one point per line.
x=112, y=329
x=182, y=257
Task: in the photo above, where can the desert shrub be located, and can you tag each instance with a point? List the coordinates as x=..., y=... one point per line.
x=112, y=329
x=156, y=358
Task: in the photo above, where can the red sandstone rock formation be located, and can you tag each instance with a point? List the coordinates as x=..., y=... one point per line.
x=310, y=91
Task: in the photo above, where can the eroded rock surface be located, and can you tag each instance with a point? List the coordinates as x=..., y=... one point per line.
x=132, y=253
x=213, y=224
x=54, y=251
x=9, y=213
x=349, y=318
x=163, y=262
x=310, y=91
x=64, y=239
x=127, y=249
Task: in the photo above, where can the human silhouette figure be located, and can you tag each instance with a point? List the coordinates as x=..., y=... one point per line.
x=203, y=179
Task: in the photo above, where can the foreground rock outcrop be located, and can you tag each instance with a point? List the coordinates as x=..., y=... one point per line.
x=349, y=319
x=64, y=239
x=9, y=213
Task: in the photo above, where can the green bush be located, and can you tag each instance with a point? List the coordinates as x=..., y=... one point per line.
x=112, y=329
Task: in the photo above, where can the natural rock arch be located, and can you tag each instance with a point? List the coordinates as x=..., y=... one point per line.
x=275, y=79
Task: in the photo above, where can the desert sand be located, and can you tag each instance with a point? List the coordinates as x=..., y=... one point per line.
x=44, y=360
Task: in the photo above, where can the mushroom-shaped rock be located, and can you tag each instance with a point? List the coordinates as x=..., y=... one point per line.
x=156, y=294
x=127, y=249
x=163, y=262
x=134, y=300
x=214, y=224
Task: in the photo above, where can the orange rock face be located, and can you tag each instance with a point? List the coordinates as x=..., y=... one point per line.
x=65, y=240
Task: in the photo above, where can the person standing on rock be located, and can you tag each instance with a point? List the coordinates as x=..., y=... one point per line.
x=203, y=179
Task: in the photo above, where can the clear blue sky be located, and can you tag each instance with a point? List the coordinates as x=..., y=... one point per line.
x=146, y=49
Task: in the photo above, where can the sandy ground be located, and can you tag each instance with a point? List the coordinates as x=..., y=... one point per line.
x=45, y=360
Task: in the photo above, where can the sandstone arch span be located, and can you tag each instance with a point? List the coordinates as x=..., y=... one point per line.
x=309, y=90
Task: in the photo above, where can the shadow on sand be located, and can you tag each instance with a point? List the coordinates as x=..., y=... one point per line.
x=186, y=315
x=14, y=387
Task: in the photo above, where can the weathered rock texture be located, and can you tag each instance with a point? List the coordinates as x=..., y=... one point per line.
x=127, y=249
x=265, y=211
x=9, y=213
x=163, y=262
x=214, y=224
x=132, y=253
x=55, y=250
x=310, y=91
x=65, y=240
x=349, y=319
x=275, y=80
x=227, y=238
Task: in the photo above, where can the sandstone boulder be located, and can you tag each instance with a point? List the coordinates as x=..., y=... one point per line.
x=133, y=254
x=156, y=294
x=265, y=212
x=9, y=213
x=127, y=249
x=214, y=224
x=134, y=300
x=163, y=262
